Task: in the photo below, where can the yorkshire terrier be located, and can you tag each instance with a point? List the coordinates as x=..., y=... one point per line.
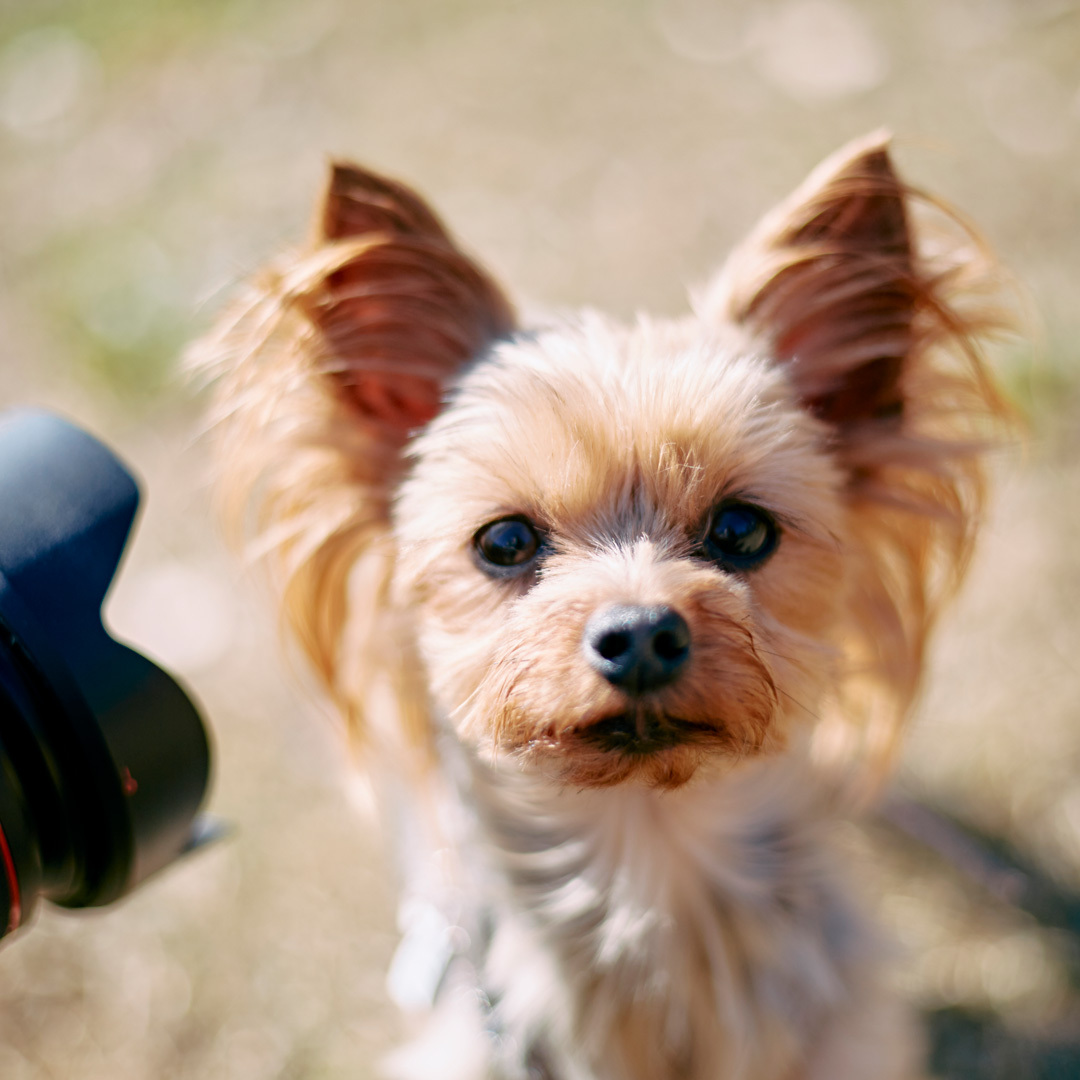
x=622, y=616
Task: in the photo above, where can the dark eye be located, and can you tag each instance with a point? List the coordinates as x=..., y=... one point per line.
x=507, y=545
x=740, y=535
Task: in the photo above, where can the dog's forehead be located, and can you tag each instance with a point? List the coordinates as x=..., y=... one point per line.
x=568, y=424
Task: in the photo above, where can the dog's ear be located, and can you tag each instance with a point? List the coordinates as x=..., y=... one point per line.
x=397, y=307
x=879, y=337
x=323, y=369
x=827, y=286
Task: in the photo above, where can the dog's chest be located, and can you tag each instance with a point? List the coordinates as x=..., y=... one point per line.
x=699, y=933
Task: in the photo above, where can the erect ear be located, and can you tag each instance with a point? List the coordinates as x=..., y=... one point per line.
x=398, y=308
x=324, y=367
x=827, y=286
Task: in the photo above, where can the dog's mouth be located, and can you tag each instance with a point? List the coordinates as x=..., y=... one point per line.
x=642, y=744
x=639, y=733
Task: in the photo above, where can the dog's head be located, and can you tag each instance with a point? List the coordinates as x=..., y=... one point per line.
x=616, y=552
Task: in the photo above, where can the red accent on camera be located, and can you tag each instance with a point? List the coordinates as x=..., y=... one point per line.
x=12, y=881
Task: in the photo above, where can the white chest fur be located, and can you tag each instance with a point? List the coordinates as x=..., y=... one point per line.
x=643, y=935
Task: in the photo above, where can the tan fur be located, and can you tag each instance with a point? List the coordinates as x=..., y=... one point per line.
x=916, y=487
x=313, y=459
x=378, y=409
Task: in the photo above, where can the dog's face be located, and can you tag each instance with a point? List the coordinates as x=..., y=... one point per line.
x=618, y=554
x=623, y=550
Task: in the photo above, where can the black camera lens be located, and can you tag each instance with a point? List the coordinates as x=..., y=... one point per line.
x=104, y=759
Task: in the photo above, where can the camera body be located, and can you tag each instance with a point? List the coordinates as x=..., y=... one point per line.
x=104, y=759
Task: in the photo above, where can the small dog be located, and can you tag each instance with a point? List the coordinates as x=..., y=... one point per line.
x=621, y=616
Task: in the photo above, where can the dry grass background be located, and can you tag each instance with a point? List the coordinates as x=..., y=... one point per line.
x=152, y=152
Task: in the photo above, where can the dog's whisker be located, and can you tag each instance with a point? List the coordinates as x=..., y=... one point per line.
x=813, y=714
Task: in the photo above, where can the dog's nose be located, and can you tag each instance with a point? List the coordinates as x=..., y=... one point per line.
x=637, y=649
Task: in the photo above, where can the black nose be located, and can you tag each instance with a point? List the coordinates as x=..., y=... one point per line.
x=637, y=649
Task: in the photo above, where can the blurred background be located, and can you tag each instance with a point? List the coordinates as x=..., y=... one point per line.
x=154, y=152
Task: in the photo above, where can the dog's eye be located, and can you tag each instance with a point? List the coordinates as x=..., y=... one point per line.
x=507, y=545
x=741, y=535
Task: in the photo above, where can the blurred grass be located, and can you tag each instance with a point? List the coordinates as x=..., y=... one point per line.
x=607, y=152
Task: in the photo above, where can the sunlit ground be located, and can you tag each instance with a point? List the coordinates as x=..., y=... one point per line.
x=593, y=151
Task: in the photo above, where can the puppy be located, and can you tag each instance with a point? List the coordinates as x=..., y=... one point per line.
x=620, y=616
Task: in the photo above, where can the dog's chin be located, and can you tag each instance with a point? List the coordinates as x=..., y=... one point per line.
x=636, y=747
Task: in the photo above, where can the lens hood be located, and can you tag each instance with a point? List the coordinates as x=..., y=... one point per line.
x=104, y=759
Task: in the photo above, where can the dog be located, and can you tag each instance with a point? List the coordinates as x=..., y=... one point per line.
x=624, y=620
